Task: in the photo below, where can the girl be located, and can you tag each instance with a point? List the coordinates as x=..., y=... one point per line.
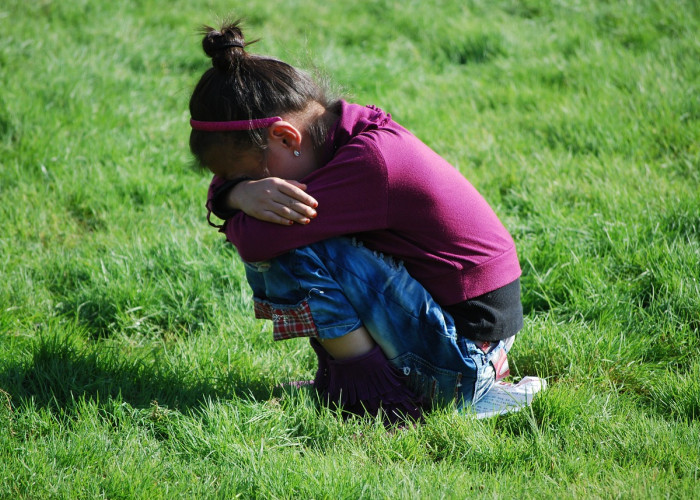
x=421, y=304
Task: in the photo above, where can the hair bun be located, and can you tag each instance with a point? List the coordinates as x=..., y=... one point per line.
x=222, y=45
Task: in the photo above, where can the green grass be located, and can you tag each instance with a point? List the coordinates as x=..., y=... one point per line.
x=130, y=364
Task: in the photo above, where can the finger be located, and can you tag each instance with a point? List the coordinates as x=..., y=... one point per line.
x=284, y=193
x=295, y=212
x=298, y=184
x=301, y=208
x=289, y=207
x=297, y=193
x=275, y=218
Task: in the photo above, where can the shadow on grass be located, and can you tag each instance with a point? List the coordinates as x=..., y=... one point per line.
x=59, y=374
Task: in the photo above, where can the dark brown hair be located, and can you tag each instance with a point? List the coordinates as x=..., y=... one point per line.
x=244, y=86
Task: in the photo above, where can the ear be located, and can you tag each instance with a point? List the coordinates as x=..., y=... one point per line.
x=285, y=134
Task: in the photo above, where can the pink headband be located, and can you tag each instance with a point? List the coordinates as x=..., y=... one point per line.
x=235, y=125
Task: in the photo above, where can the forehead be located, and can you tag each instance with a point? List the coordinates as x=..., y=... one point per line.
x=228, y=163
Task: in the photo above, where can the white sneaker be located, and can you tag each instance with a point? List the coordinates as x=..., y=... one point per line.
x=505, y=397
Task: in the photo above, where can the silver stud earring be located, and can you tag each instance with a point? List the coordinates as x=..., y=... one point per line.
x=297, y=153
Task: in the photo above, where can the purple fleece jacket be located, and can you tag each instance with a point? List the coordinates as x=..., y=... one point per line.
x=381, y=184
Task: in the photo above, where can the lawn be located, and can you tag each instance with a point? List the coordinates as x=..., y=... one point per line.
x=130, y=362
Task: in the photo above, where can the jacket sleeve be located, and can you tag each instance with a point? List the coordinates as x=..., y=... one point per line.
x=352, y=195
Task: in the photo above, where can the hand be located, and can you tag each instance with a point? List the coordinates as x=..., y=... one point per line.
x=274, y=200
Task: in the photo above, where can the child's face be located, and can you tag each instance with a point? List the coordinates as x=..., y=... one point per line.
x=278, y=160
x=228, y=164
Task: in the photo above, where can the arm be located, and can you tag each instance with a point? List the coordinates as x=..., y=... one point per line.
x=270, y=199
x=352, y=195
